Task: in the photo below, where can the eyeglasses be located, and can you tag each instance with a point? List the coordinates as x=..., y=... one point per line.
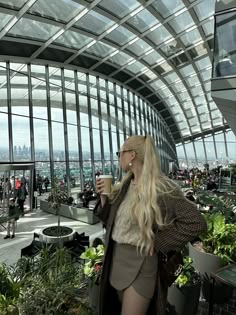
x=119, y=152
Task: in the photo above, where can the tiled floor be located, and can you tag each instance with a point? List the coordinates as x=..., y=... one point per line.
x=32, y=222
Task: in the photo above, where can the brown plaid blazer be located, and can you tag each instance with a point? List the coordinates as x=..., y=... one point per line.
x=188, y=224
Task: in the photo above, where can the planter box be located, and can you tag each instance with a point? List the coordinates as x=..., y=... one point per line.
x=207, y=263
x=184, y=300
x=80, y=214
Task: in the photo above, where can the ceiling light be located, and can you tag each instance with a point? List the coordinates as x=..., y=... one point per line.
x=114, y=26
x=133, y=40
x=91, y=43
x=114, y=53
x=191, y=28
x=136, y=11
x=149, y=52
x=131, y=62
x=155, y=26
x=180, y=11
x=81, y=14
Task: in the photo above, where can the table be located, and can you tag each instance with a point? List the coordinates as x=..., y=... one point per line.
x=226, y=275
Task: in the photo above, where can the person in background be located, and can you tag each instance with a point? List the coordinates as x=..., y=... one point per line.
x=46, y=183
x=39, y=184
x=13, y=217
x=21, y=196
x=145, y=215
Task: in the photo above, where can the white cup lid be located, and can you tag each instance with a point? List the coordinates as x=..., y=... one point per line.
x=105, y=176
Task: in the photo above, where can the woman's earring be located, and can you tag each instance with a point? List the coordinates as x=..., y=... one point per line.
x=130, y=164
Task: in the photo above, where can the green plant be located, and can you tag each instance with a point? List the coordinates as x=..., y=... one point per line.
x=54, y=285
x=9, y=290
x=219, y=204
x=51, y=283
x=93, y=266
x=189, y=275
x=220, y=238
x=56, y=198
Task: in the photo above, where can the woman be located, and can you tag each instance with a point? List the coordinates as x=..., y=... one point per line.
x=145, y=214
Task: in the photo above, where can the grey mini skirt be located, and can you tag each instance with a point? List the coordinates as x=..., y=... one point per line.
x=130, y=268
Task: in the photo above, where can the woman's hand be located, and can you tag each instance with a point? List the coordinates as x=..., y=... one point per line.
x=100, y=189
x=152, y=250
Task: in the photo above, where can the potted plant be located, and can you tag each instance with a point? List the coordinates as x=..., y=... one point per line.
x=183, y=295
x=51, y=283
x=9, y=292
x=214, y=249
x=92, y=269
x=54, y=234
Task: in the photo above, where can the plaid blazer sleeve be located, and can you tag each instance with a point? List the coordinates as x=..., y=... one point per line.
x=102, y=212
x=187, y=225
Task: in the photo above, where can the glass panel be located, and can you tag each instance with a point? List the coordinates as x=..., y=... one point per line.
x=3, y=88
x=21, y=138
x=82, y=86
x=159, y=35
x=97, y=144
x=94, y=22
x=57, y=9
x=136, y=67
x=224, y=53
x=231, y=146
x=208, y=28
x=120, y=59
x=164, y=67
x=142, y=21
x=19, y=94
x=104, y=116
x=114, y=145
x=27, y=28
x=220, y=147
x=56, y=96
x=43, y=169
x=152, y=58
x=4, y=143
x=203, y=63
x=106, y=145
x=58, y=141
x=75, y=174
x=191, y=38
x=4, y=19
x=200, y=150
x=100, y=49
x=39, y=95
x=85, y=143
x=120, y=36
x=60, y=171
x=41, y=142
x=119, y=8
x=181, y=22
x=168, y=7
x=73, y=39
x=205, y=9
x=73, y=142
x=16, y=4
x=139, y=47
x=181, y=156
x=190, y=154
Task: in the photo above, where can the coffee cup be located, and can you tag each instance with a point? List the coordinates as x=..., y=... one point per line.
x=107, y=183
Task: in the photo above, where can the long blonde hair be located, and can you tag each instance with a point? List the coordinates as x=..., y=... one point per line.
x=153, y=184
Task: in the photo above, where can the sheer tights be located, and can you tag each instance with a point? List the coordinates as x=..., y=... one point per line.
x=132, y=302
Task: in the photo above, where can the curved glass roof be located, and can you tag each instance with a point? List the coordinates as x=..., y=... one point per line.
x=162, y=49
